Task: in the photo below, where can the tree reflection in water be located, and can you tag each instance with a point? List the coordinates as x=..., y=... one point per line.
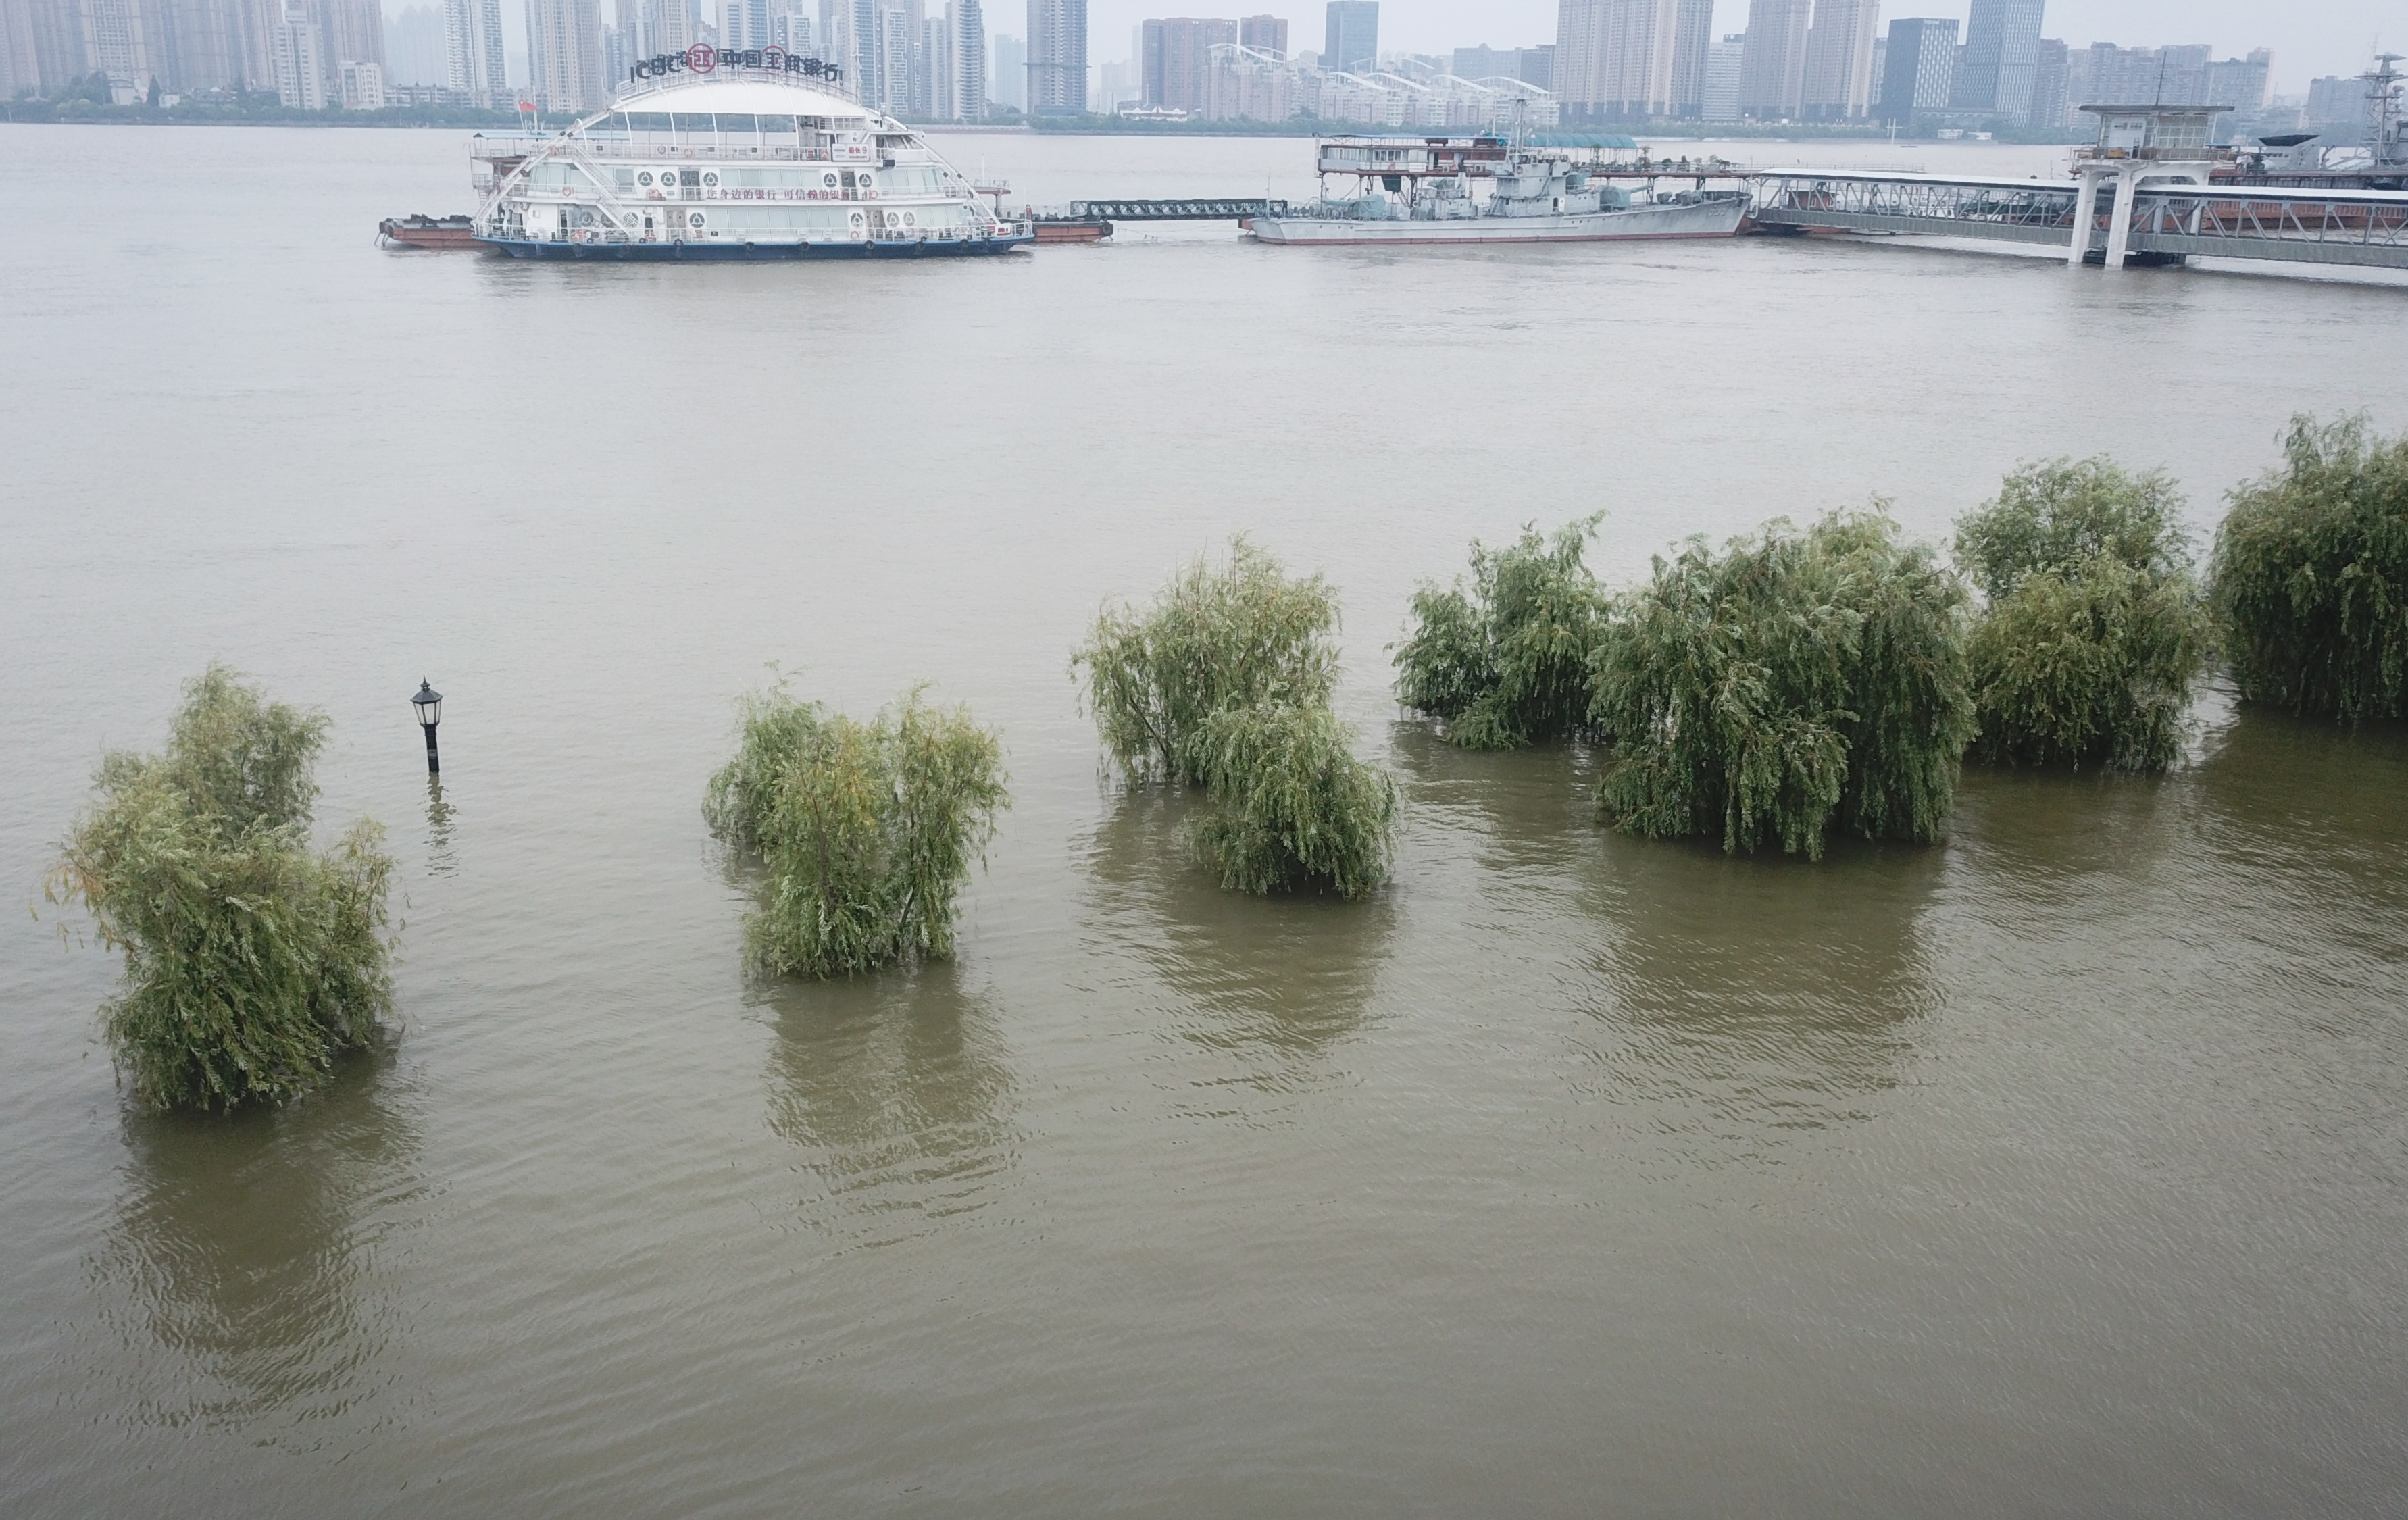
x=245, y=1245
x=1271, y=984
x=1748, y=995
x=897, y=1087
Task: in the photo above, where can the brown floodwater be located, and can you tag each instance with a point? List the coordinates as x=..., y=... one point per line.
x=2061, y=1170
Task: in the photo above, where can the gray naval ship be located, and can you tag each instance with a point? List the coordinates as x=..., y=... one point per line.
x=1414, y=191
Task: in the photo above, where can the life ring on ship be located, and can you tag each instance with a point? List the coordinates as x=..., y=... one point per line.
x=910, y=220
x=868, y=181
x=828, y=179
x=710, y=177
x=644, y=177
x=693, y=218
x=856, y=218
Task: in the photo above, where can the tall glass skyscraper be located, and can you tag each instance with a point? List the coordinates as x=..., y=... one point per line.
x=2001, y=58
x=1354, y=40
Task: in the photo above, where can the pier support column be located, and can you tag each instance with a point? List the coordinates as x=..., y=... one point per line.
x=2119, y=223
x=2085, y=218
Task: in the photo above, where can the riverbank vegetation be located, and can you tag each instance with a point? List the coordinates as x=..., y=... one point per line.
x=1792, y=686
x=1504, y=662
x=868, y=830
x=1223, y=684
x=2310, y=576
x=2094, y=635
x=251, y=960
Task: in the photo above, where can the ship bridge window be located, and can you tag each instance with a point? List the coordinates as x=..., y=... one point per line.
x=648, y=122
x=737, y=123
x=692, y=120
x=776, y=124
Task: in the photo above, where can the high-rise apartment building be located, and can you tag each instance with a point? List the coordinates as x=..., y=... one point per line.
x=1692, y=42
x=2001, y=54
x=1351, y=45
x=300, y=60
x=1773, y=67
x=2052, y=105
x=1264, y=34
x=1629, y=59
x=1008, y=78
x=1174, y=56
x=1722, y=61
x=363, y=86
x=1057, y=57
x=1919, y=72
x=2242, y=83
x=473, y=51
x=1839, y=84
x=354, y=33
x=965, y=69
x=1615, y=57
x=119, y=45
x=565, y=54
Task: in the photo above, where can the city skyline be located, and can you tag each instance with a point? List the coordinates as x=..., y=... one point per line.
x=2309, y=39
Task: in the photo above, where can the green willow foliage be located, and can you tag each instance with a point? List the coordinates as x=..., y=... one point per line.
x=1506, y=662
x=868, y=830
x=1292, y=807
x=1792, y=684
x=2096, y=635
x=1235, y=635
x=2068, y=512
x=2310, y=579
x=250, y=960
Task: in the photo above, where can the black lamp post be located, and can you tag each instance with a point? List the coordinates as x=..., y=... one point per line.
x=429, y=703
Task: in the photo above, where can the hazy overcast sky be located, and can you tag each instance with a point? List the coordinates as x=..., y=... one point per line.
x=2308, y=36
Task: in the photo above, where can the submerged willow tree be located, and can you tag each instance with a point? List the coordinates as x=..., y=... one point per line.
x=1504, y=662
x=2095, y=635
x=1794, y=684
x=868, y=830
x=1235, y=635
x=1223, y=684
x=2310, y=578
x=1293, y=807
x=251, y=960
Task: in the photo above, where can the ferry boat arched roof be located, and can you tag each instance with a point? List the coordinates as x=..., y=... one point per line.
x=741, y=98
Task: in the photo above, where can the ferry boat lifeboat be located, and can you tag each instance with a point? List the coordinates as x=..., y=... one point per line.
x=725, y=156
x=1485, y=190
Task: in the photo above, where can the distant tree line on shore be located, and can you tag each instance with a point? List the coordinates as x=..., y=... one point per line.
x=1789, y=687
x=88, y=100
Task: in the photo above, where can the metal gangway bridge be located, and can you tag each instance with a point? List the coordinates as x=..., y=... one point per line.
x=2162, y=221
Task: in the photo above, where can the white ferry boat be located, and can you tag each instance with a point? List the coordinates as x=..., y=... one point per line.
x=1485, y=190
x=727, y=156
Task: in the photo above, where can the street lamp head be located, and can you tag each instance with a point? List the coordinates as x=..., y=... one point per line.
x=429, y=703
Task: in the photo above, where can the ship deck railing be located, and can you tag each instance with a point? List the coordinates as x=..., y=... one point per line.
x=486, y=146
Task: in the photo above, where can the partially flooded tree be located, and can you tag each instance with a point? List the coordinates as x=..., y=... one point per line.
x=1292, y=807
x=1504, y=661
x=2095, y=635
x=1223, y=684
x=868, y=830
x=2310, y=579
x=1792, y=686
x=251, y=960
x=1236, y=634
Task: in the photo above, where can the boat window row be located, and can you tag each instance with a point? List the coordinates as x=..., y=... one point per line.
x=700, y=123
